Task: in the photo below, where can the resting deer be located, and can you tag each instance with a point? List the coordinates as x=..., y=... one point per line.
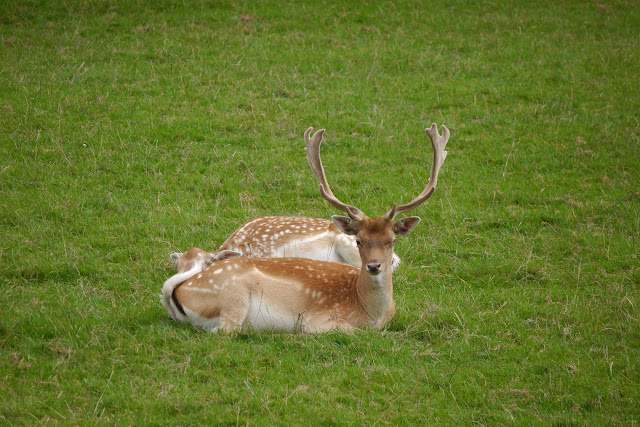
x=272, y=237
x=295, y=293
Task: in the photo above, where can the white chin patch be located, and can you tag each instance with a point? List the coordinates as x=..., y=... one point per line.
x=377, y=279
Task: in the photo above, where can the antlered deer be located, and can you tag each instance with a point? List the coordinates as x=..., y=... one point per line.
x=296, y=293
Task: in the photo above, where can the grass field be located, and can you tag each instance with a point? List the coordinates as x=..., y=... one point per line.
x=132, y=129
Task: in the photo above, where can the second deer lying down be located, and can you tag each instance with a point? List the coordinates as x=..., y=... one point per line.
x=312, y=296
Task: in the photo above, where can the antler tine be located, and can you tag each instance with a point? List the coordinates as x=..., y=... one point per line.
x=439, y=142
x=315, y=163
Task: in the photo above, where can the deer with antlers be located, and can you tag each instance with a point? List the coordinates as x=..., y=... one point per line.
x=303, y=294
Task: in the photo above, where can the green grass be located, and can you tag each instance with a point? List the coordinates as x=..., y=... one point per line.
x=132, y=129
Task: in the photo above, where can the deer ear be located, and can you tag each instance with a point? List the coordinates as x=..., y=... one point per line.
x=406, y=225
x=222, y=255
x=346, y=225
x=175, y=256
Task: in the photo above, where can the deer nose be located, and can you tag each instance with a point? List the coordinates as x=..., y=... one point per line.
x=374, y=268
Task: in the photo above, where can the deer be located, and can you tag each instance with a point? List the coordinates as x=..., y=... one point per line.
x=290, y=294
x=272, y=237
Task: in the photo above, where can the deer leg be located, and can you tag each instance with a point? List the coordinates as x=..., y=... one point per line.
x=233, y=318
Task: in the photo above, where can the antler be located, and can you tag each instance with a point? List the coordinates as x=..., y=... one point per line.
x=313, y=157
x=439, y=143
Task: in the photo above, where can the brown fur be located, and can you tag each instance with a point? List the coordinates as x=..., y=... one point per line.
x=323, y=294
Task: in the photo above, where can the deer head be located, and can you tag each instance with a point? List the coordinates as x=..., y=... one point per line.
x=375, y=237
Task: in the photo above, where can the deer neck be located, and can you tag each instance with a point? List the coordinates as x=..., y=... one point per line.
x=375, y=295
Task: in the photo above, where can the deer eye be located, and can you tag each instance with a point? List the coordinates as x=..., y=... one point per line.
x=358, y=243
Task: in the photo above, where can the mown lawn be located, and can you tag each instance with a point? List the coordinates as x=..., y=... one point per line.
x=132, y=129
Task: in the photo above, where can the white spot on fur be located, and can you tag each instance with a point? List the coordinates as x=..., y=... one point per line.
x=203, y=290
